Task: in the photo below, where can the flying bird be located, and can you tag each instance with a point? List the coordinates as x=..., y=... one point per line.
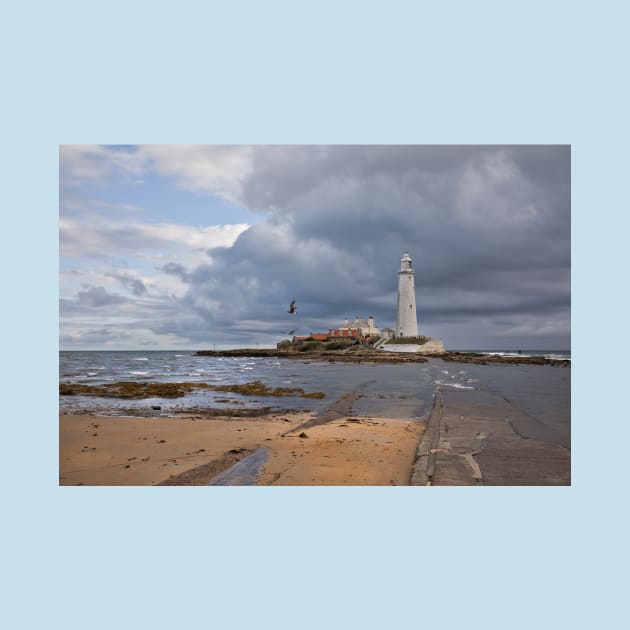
x=292, y=308
x=290, y=332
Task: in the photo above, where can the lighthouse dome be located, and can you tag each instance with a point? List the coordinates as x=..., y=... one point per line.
x=405, y=262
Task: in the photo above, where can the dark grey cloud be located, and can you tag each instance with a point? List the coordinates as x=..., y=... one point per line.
x=94, y=336
x=130, y=282
x=97, y=297
x=461, y=211
x=89, y=299
x=488, y=228
x=175, y=269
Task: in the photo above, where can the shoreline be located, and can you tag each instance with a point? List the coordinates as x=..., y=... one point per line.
x=192, y=445
x=114, y=450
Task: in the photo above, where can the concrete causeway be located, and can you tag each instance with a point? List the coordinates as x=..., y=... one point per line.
x=477, y=437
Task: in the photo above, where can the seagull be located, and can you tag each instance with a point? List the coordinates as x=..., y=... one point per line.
x=292, y=308
x=290, y=332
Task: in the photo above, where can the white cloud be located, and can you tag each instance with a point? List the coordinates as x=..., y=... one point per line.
x=101, y=238
x=96, y=163
x=218, y=170
x=193, y=237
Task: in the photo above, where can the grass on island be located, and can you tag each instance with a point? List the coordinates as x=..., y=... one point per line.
x=136, y=390
x=313, y=345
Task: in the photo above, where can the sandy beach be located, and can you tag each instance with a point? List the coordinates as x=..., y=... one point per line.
x=191, y=450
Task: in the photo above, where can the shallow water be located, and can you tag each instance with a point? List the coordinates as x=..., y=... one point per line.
x=244, y=472
x=396, y=390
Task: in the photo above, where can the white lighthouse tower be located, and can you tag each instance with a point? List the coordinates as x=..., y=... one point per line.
x=406, y=319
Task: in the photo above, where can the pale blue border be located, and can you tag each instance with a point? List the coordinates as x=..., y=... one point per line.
x=273, y=72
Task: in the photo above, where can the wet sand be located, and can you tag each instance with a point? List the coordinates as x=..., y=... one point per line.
x=191, y=450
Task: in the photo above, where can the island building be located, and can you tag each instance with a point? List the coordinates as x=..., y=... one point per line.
x=406, y=318
x=366, y=328
x=357, y=330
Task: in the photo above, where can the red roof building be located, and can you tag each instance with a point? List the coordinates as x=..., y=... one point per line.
x=356, y=330
x=345, y=333
x=319, y=336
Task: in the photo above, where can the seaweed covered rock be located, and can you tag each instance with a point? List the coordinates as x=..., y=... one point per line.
x=136, y=390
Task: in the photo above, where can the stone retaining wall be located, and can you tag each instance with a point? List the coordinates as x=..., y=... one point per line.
x=434, y=346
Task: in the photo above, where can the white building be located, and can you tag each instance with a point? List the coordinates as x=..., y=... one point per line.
x=367, y=328
x=406, y=318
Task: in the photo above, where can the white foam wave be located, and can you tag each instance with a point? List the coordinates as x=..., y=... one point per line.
x=92, y=373
x=510, y=354
x=141, y=359
x=453, y=385
x=139, y=373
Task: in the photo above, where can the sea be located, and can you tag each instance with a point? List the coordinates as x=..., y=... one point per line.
x=394, y=390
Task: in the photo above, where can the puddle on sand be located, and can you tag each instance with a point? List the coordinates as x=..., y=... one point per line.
x=244, y=472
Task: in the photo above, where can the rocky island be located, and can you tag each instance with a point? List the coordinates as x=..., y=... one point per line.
x=361, y=353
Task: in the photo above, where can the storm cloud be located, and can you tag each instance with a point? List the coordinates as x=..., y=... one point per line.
x=488, y=228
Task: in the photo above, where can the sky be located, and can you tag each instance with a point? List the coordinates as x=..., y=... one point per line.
x=201, y=247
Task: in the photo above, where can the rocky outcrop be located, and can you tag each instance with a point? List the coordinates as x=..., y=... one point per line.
x=360, y=353
x=492, y=359
x=355, y=354
x=139, y=390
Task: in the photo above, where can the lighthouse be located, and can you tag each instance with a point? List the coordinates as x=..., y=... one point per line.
x=406, y=319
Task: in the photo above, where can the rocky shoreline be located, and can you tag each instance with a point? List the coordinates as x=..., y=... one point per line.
x=361, y=354
x=351, y=355
x=491, y=359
